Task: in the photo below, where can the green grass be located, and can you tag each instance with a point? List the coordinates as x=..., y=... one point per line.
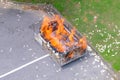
x=81, y=13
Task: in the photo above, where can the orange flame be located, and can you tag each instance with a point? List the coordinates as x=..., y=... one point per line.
x=55, y=32
x=82, y=43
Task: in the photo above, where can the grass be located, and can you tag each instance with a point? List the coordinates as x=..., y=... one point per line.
x=99, y=20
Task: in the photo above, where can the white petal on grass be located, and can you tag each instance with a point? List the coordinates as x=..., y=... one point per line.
x=116, y=53
x=101, y=34
x=90, y=33
x=95, y=25
x=118, y=34
x=113, y=55
x=109, y=46
x=95, y=17
x=114, y=30
x=106, y=54
x=116, y=26
x=93, y=31
x=76, y=19
x=108, y=51
x=101, y=48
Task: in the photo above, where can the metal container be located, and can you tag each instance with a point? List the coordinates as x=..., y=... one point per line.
x=61, y=58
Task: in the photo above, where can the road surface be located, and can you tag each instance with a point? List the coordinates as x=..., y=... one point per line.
x=22, y=58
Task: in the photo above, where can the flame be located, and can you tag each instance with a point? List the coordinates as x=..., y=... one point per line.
x=71, y=38
x=71, y=54
x=53, y=30
x=82, y=43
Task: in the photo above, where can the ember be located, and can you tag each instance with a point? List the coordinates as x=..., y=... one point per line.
x=54, y=31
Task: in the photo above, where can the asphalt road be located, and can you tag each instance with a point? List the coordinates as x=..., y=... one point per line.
x=18, y=47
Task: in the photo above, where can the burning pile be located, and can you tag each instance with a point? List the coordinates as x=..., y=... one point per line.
x=55, y=32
